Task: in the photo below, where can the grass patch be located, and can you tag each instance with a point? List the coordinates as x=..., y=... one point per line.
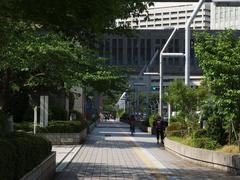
x=229, y=149
x=182, y=140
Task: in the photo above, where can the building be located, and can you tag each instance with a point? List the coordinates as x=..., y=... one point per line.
x=136, y=51
x=163, y=15
x=225, y=17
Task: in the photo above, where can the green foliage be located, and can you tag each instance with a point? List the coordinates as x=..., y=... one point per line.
x=24, y=126
x=7, y=160
x=63, y=127
x=79, y=115
x=205, y=143
x=82, y=19
x=21, y=153
x=124, y=117
x=184, y=99
x=178, y=129
x=58, y=113
x=152, y=119
x=219, y=58
x=215, y=129
x=200, y=133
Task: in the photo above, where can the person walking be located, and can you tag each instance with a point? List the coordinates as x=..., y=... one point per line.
x=160, y=129
x=132, y=121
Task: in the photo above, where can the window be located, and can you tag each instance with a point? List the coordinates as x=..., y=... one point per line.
x=120, y=51
x=173, y=12
x=129, y=51
x=157, y=41
x=142, y=50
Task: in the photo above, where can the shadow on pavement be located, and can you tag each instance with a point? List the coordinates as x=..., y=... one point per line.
x=77, y=171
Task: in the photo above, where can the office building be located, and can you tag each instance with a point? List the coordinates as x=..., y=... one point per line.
x=163, y=15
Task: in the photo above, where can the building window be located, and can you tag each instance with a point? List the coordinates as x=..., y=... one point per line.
x=129, y=51
x=114, y=51
x=142, y=51
x=135, y=51
x=174, y=12
x=120, y=51
x=176, y=45
x=176, y=61
x=149, y=47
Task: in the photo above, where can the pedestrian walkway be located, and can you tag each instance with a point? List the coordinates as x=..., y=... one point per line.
x=110, y=152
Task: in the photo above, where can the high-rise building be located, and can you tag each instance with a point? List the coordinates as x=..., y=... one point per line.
x=167, y=14
x=225, y=17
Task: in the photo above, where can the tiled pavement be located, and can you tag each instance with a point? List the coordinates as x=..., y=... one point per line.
x=111, y=153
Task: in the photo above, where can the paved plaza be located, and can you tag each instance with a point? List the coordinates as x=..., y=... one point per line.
x=110, y=152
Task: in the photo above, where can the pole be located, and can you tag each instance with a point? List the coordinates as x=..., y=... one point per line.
x=187, y=40
x=160, y=110
x=35, y=120
x=160, y=86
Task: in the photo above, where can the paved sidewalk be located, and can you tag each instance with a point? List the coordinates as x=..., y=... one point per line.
x=111, y=153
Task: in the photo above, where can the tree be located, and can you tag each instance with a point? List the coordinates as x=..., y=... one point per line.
x=82, y=19
x=36, y=61
x=219, y=58
x=185, y=100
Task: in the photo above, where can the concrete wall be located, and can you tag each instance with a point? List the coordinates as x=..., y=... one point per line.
x=223, y=161
x=66, y=138
x=44, y=171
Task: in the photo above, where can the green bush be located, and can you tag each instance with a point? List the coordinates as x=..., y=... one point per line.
x=176, y=129
x=20, y=153
x=176, y=126
x=30, y=150
x=205, y=143
x=7, y=160
x=200, y=133
x=58, y=113
x=215, y=129
x=152, y=118
x=24, y=126
x=79, y=116
x=63, y=127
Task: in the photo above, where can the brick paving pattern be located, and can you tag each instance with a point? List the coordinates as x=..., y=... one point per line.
x=111, y=153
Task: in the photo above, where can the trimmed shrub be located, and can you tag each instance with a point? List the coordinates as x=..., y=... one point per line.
x=200, y=133
x=7, y=160
x=24, y=126
x=20, y=153
x=205, y=143
x=30, y=150
x=63, y=127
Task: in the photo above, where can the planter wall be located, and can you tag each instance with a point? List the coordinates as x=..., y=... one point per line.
x=223, y=161
x=91, y=127
x=44, y=171
x=66, y=138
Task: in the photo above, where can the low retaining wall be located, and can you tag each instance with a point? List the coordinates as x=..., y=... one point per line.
x=91, y=127
x=66, y=138
x=44, y=171
x=223, y=161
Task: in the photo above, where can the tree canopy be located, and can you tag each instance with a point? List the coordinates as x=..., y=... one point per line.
x=34, y=60
x=82, y=19
x=219, y=58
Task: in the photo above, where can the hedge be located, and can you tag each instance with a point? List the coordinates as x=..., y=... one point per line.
x=20, y=153
x=63, y=127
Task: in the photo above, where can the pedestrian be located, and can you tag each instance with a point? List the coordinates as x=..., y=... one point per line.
x=101, y=117
x=132, y=121
x=160, y=129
